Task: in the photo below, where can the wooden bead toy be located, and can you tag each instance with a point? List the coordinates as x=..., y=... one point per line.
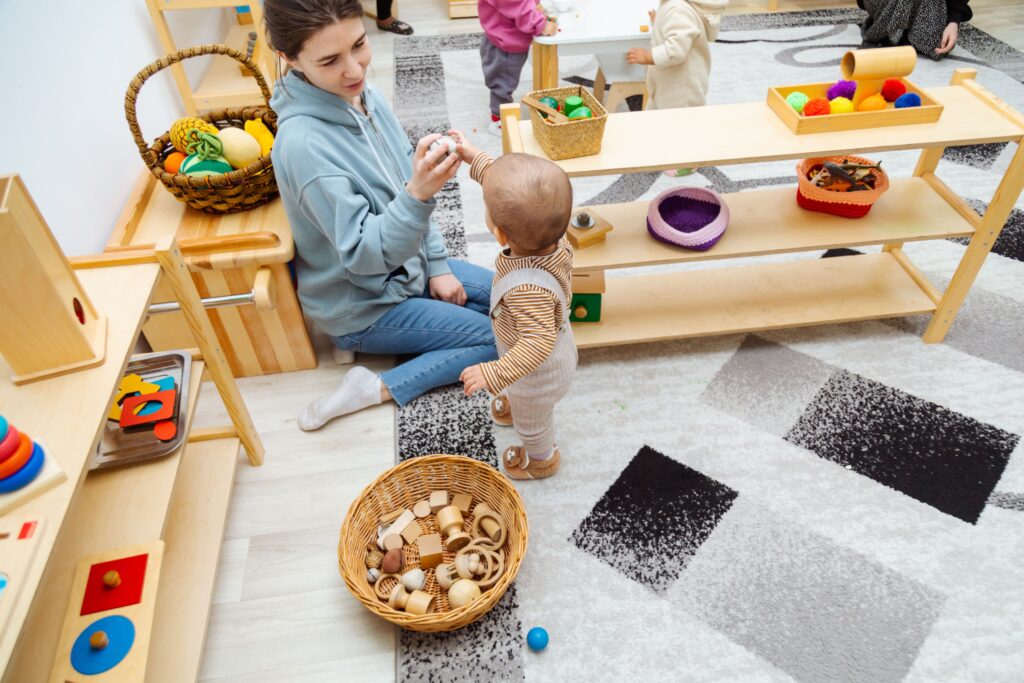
x=450, y=521
x=462, y=593
x=372, y=574
x=446, y=575
x=417, y=602
x=385, y=585
x=490, y=523
x=112, y=579
x=392, y=562
x=412, y=532
x=397, y=527
x=422, y=509
x=463, y=501
x=98, y=640
x=438, y=500
x=414, y=579
x=430, y=550
x=374, y=557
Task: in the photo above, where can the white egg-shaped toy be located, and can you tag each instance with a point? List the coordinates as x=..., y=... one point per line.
x=414, y=579
x=240, y=148
x=462, y=593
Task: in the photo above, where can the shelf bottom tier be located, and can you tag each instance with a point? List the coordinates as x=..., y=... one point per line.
x=752, y=298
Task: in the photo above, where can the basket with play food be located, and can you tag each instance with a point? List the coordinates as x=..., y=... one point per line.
x=433, y=543
x=567, y=122
x=872, y=93
x=845, y=186
x=218, y=162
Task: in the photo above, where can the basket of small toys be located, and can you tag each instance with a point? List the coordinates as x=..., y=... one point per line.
x=433, y=543
x=690, y=217
x=581, y=134
x=843, y=186
x=218, y=162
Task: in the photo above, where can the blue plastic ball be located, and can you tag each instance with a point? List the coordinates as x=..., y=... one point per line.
x=537, y=639
x=908, y=100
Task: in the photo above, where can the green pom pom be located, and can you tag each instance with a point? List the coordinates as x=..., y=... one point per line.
x=797, y=100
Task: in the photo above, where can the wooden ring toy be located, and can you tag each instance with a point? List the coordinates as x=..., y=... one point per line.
x=384, y=593
x=495, y=540
x=26, y=474
x=18, y=459
x=495, y=565
x=9, y=443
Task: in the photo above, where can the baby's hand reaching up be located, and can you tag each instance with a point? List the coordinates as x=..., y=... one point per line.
x=472, y=379
x=464, y=147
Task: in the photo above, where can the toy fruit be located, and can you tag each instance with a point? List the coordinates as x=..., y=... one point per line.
x=239, y=148
x=797, y=100
x=196, y=165
x=551, y=102
x=259, y=130
x=841, y=105
x=892, y=89
x=572, y=103
x=180, y=135
x=537, y=639
x=872, y=103
x=819, y=106
x=907, y=100
x=173, y=162
x=581, y=113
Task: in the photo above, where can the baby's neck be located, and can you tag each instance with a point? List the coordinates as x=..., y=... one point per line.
x=519, y=252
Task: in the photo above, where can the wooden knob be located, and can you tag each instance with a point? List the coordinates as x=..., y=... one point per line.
x=580, y=312
x=111, y=580
x=98, y=640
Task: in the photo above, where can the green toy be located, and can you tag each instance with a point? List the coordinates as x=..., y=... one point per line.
x=551, y=102
x=572, y=103
x=581, y=113
x=585, y=308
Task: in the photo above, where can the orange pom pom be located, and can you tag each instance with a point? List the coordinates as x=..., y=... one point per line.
x=819, y=106
x=872, y=103
x=892, y=89
x=173, y=162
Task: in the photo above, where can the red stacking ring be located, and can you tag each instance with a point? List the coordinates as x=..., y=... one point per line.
x=14, y=463
x=10, y=443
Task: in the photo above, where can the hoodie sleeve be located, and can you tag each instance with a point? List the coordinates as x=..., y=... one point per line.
x=524, y=13
x=368, y=243
x=680, y=31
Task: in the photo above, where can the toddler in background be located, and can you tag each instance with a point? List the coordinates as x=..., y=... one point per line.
x=529, y=202
x=509, y=27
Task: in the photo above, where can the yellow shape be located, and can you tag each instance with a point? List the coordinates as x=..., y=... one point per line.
x=130, y=384
x=259, y=130
x=841, y=105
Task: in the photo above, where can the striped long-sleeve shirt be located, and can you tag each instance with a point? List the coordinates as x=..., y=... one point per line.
x=531, y=315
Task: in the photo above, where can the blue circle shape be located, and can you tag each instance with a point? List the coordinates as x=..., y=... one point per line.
x=121, y=634
x=3, y=427
x=26, y=474
x=537, y=639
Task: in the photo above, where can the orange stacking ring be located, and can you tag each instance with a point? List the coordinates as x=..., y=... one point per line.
x=14, y=463
x=9, y=444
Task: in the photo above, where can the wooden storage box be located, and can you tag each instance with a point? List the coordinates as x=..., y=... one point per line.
x=574, y=138
x=928, y=112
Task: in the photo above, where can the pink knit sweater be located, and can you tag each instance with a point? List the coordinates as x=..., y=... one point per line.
x=511, y=24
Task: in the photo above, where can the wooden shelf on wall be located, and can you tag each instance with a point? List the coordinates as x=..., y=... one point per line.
x=224, y=85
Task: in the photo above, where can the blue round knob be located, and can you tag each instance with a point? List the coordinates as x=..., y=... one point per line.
x=537, y=639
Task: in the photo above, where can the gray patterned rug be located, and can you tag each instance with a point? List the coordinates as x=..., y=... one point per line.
x=840, y=503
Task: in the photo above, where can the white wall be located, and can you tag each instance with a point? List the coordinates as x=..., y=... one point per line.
x=66, y=67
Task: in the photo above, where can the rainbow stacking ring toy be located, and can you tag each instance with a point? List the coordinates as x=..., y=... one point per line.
x=690, y=217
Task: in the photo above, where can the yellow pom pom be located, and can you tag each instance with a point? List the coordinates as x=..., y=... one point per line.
x=841, y=105
x=181, y=127
x=259, y=130
x=872, y=103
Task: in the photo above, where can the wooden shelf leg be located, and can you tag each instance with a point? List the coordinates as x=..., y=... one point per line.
x=163, y=31
x=980, y=245
x=545, y=66
x=180, y=279
x=511, y=140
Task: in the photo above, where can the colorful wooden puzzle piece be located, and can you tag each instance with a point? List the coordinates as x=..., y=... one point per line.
x=117, y=635
x=99, y=597
x=130, y=385
x=165, y=384
x=131, y=418
x=18, y=543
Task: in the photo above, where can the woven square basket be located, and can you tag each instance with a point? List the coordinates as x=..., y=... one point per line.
x=403, y=486
x=575, y=138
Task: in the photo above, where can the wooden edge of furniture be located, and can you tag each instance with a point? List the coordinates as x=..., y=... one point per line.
x=462, y=9
x=511, y=136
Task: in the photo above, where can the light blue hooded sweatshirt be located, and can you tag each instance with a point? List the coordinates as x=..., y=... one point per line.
x=362, y=242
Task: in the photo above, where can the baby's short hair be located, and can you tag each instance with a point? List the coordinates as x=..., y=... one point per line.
x=529, y=198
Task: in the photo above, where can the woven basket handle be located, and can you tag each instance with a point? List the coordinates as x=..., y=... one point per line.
x=146, y=73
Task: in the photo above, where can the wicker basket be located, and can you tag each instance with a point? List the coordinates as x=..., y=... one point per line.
x=575, y=138
x=401, y=487
x=845, y=204
x=239, y=190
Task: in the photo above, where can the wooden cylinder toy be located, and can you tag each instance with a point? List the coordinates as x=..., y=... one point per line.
x=98, y=640
x=878, y=63
x=50, y=326
x=449, y=520
x=417, y=602
x=488, y=520
x=111, y=579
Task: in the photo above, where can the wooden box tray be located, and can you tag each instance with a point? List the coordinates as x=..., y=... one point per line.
x=928, y=112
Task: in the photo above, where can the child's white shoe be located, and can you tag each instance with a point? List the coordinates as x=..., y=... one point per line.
x=494, y=128
x=343, y=357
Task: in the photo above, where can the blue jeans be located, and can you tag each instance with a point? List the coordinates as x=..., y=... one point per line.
x=448, y=338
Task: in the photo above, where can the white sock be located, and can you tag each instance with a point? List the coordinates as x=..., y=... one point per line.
x=343, y=357
x=359, y=389
x=541, y=456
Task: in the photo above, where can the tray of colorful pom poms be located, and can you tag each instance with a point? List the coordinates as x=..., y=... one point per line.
x=872, y=93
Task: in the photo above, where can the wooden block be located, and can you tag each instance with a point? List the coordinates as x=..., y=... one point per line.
x=588, y=282
x=431, y=553
x=18, y=542
x=139, y=581
x=48, y=477
x=397, y=527
x=463, y=501
x=391, y=516
x=130, y=384
x=392, y=542
x=585, y=237
x=412, y=532
x=422, y=508
x=438, y=500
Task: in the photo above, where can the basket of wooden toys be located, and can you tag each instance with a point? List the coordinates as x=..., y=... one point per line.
x=433, y=543
x=872, y=93
x=218, y=162
x=567, y=122
x=845, y=186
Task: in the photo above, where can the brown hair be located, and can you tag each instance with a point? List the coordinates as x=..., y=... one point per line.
x=529, y=198
x=290, y=23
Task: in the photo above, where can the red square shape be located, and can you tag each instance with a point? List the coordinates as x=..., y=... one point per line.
x=99, y=598
x=165, y=398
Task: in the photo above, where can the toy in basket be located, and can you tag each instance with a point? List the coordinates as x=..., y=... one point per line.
x=691, y=217
x=208, y=179
x=871, y=94
x=434, y=542
x=581, y=131
x=843, y=186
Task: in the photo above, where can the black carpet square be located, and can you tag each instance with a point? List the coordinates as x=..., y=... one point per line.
x=939, y=457
x=978, y=156
x=653, y=519
x=1010, y=242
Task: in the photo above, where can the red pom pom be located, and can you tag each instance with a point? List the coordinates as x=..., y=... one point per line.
x=819, y=106
x=892, y=89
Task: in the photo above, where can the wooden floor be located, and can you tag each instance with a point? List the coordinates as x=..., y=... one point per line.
x=281, y=612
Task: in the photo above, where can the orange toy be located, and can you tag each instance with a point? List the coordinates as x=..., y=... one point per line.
x=819, y=106
x=872, y=103
x=173, y=162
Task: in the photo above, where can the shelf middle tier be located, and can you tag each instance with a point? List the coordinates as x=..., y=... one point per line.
x=770, y=222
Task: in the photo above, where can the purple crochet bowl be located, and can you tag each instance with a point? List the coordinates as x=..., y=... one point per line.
x=691, y=217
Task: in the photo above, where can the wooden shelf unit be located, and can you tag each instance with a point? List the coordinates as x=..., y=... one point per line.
x=798, y=293
x=181, y=498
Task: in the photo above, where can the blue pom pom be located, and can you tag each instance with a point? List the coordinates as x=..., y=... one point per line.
x=908, y=100
x=537, y=639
